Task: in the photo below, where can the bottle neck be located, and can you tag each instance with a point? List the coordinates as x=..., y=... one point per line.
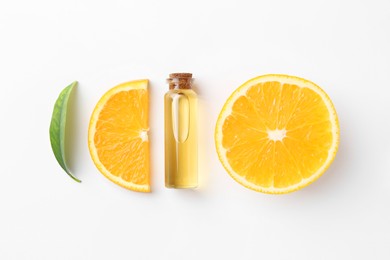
x=180, y=81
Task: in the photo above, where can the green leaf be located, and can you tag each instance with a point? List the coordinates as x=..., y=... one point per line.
x=58, y=127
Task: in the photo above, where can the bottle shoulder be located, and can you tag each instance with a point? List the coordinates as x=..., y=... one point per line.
x=186, y=92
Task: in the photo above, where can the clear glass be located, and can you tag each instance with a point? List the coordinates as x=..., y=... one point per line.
x=181, y=151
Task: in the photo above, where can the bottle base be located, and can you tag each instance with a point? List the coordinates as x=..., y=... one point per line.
x=172, y=186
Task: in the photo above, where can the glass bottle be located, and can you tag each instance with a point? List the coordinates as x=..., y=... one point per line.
x=181, y=151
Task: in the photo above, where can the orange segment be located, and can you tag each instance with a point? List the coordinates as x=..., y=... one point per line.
x=117, y=136
x=277, y=133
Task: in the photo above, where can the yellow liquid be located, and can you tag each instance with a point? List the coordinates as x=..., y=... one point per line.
x=181, y=151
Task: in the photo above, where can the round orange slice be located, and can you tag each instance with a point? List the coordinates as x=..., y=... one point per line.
x=277, y=133
x=118, y=135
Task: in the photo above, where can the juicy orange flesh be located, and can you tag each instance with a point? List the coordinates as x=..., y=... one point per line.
x=270, y=106
x=118, y=136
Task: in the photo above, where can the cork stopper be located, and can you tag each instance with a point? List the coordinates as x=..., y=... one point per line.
x=180, y=80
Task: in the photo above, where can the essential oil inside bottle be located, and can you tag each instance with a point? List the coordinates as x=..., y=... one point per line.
x=181, y=151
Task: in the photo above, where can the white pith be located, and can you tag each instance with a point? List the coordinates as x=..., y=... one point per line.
x=277, y=134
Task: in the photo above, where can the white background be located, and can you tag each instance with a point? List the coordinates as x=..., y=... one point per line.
x=343, y=46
